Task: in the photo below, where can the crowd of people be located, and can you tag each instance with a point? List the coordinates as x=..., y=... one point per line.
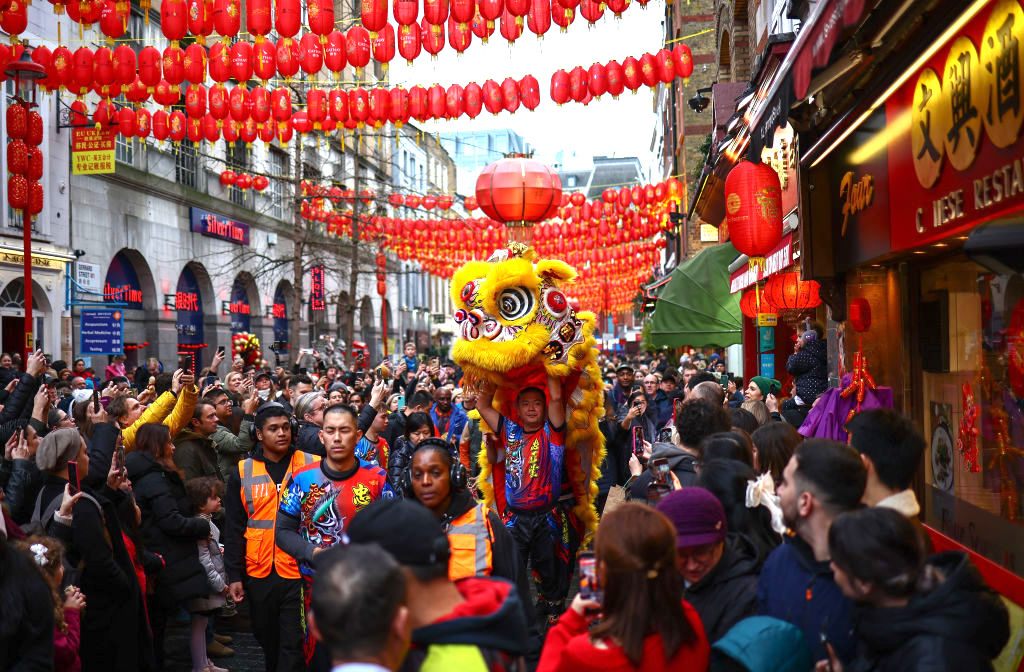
x=340, y=511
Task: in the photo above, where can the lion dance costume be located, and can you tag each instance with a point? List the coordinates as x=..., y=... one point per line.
x=516, y=326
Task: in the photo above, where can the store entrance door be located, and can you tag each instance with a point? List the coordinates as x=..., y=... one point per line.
x=13, y=333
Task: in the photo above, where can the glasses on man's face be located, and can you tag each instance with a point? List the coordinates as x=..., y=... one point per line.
x=224, y=402
x=701, y=554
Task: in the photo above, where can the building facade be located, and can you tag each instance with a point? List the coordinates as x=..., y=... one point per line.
x=472, y=151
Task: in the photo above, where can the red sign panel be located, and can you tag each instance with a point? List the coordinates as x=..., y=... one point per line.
x=955, y=160
x=317, y=290
x=778, y=259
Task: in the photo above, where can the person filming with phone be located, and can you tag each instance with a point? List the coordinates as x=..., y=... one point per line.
x=645, y=623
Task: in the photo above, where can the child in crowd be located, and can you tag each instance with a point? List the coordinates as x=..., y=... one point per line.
x=205, y=494
x=808, y=365
x=48, y=555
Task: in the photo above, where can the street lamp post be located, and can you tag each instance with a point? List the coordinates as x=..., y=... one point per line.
x=25, y=72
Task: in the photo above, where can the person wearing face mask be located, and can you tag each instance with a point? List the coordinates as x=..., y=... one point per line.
x=264, y=387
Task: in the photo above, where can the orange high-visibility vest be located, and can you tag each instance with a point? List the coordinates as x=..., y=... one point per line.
x=470, y=537
x=262, y=498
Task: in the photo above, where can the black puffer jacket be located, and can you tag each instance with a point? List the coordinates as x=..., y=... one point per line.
x=167, y=529
x=810, y=368
x=728, y=593
x=961, y=625
x=308, y=439
x=398, y=461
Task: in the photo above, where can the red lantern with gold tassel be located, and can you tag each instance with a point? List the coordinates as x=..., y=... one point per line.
x=374, y=15
x=195, y=62
x=337, y=104
x=560, y=87
x=383, y=46
x=683, y=59
x=264, y=60
x=494, y=101
x=240, y=56
x=172, y=20
x=511, y=27
x=409, y=42
x=400, y=108
x=287, y=57
x=753, y=210
x=334, y=52
x=459, y=35
x=860, y=314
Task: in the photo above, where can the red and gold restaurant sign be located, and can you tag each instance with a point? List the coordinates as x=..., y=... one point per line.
x=961, y=162
x=92, y=151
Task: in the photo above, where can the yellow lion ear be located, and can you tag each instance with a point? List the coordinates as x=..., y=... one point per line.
x=553, y=269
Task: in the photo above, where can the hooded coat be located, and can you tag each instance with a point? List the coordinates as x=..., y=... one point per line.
x=809, y=366
x=195, y=455
x=763, y=644
x=167, y=530
x=486, y=632
x=728, y=593
x=682, y=463
x=959, y=625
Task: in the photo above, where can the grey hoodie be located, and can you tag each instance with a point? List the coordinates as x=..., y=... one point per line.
x=682, y=463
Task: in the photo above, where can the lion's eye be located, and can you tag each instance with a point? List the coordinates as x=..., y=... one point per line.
x=515, y=303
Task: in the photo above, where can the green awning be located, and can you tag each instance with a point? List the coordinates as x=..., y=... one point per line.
x=695, y=308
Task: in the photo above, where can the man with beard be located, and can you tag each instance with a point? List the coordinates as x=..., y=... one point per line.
x=823, y=479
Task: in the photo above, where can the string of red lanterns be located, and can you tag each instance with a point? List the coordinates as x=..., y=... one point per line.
x=583, y=85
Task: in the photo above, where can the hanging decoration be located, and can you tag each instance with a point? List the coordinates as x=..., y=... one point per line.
x=518, y=190
x=246, y=346
x=787, y=292
x=753, y=211
x=967, y=437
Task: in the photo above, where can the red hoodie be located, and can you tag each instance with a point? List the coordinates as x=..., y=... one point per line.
x=568, y=647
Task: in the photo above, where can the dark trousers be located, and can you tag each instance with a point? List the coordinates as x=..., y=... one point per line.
x=275, y=613
x=547, y=541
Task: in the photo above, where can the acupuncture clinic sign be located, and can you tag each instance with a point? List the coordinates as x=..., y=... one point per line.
x=217, y=226
x=959, y=157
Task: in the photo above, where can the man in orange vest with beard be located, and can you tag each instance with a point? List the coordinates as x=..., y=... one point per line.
x=256, y=567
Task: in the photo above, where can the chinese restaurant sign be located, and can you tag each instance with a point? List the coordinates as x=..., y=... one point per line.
x=964, y=112
x=316, y=296
x=92, y=151
x=217, y=226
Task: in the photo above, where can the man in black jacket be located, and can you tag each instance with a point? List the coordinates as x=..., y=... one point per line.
x=720, y=570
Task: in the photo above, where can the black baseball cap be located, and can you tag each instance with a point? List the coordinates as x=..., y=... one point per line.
x=624, y=367
x=408, y=531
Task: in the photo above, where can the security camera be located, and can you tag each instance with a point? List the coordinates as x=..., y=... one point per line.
x=699, y=102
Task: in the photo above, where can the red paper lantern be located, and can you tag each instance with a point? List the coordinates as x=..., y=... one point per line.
x=578, y=84
x=195, y=63
x=357, y=48
x=160, y=125
x=518, y=190
x=281, y=104
x=217, y=99
x=683, y=59
x=431, y=37
x=436, y=103
x=177, y=123
x=172, y=20
x=374, y=15
x=413, y=201
x=860, y=314
x=453, y=102
x=470, y=203
x=359, y=106
x=219, y=62
x=112, y=22
x=14, y=20
x=143, y=122
x=239, y=104
x=429, y=202
x=243, y=182
x=195, y=100
x=409, y=42
x=17, y=192
x=287, y=57
x=102, y=67
x=597, y=80
x=337, y=105
x=34, y=161
x=664, y=66
x=753, y=207
x=618, y=7
x=473, y=99
x=418, y=103
x=257, y=18
x=648, y=70
x=529, y=92
x=287, y=17
x=35, y=197
x=510, y=94
x=591, y=10
x=631, y=73
x=17, y=157
x=786, y=291
x=406, y=12
x=264, y=60
x=82, y=69
x=211, y=131
x=511, y=27
x=321, y=16
x=481, y=27
x=260, y=182
x=334, y=52
x=380, y=106
x=494, y=101
x=227, y=17
x=560, y=87
x=459, y=35
x=383, y=45
x=310, y=54
x=751, y=307
x=538, y=19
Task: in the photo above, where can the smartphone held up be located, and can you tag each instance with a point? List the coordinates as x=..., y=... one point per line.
x=589, y=587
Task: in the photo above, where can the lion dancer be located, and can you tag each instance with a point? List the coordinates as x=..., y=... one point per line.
x=531, y=454
x=319, y=502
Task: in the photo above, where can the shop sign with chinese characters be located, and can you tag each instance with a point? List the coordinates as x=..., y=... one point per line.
x=92, y=151
x=961, y=117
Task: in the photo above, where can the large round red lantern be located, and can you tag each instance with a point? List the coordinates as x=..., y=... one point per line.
x=786, y=291
x=511, y=25
x=494, y=101
x=754, y=302
x=510, y=94
x=334, y=52
x=597, y=80
x=454, y=102
x=753, y=209
x=592, y=10
x=860, y=314
x=219, y=62
x=518, y=190
x=172, y=20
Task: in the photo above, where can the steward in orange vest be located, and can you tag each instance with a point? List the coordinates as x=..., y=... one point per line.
x=257, y=569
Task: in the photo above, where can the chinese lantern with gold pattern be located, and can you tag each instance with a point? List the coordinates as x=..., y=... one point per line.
x=787, y=292
x=753, y=210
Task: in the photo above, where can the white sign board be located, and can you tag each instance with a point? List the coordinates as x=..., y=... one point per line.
x=88, y=276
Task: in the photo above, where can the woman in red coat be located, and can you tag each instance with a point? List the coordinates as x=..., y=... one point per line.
x=645, y=624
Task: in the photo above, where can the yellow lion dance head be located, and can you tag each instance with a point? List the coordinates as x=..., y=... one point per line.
x=515, y=326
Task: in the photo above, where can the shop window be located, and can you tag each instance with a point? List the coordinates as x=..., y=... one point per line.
x=972, y=357
x=123, y=147
x=237, y=160
x=185, y=163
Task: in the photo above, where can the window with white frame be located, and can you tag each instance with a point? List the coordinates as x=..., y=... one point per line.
x=279, y=172
x=237, y=159
x=185, y=163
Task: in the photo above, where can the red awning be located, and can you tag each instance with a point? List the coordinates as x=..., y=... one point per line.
x=811, y=50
